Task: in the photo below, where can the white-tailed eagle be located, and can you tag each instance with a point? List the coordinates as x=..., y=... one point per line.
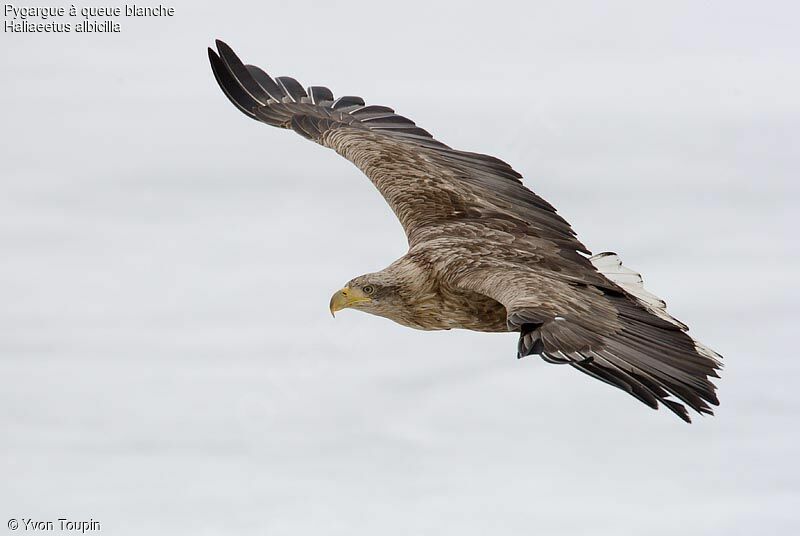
x=485, y=252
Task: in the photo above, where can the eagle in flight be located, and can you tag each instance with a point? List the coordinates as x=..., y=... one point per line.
x=485, y=252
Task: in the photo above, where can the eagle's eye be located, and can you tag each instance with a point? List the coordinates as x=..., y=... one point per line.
x=369, y=289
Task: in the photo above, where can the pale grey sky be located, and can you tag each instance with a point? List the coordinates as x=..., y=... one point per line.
x=169, y=364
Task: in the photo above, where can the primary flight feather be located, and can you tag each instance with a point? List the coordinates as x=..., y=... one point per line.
x=485, y=252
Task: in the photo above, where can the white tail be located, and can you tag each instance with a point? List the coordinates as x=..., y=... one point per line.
x=610, y=265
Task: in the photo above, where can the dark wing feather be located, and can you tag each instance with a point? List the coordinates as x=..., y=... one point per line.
x=292, y=88
x=601, y=329
x=469, y=217
x=320, y=95
x=428, y=185
x=267, y=83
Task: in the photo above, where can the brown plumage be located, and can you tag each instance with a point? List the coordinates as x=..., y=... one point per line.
x=486, y=253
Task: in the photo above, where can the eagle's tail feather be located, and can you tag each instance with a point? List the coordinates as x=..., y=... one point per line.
x=610, y=265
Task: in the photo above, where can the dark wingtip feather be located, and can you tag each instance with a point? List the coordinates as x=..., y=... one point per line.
x=291, y=87
x=242, y=75
x=265, y=81
x=221, y=44
x=347, y=101
x=212, y=58
x=230, y=86
x=320, y=95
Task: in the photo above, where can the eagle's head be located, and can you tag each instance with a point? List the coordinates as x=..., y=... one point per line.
x=375, y=293
x=403, y=292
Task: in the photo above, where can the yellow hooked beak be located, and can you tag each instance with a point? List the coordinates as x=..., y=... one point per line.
x=347, y=297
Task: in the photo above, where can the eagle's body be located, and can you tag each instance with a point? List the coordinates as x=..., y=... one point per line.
x=485, y=252
x=428, y=302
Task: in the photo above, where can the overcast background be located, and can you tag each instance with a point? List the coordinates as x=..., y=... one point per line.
x=168, y=362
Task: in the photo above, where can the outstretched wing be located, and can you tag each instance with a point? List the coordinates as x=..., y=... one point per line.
x=616, y=332
x=428, y=185
x=483, y=231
